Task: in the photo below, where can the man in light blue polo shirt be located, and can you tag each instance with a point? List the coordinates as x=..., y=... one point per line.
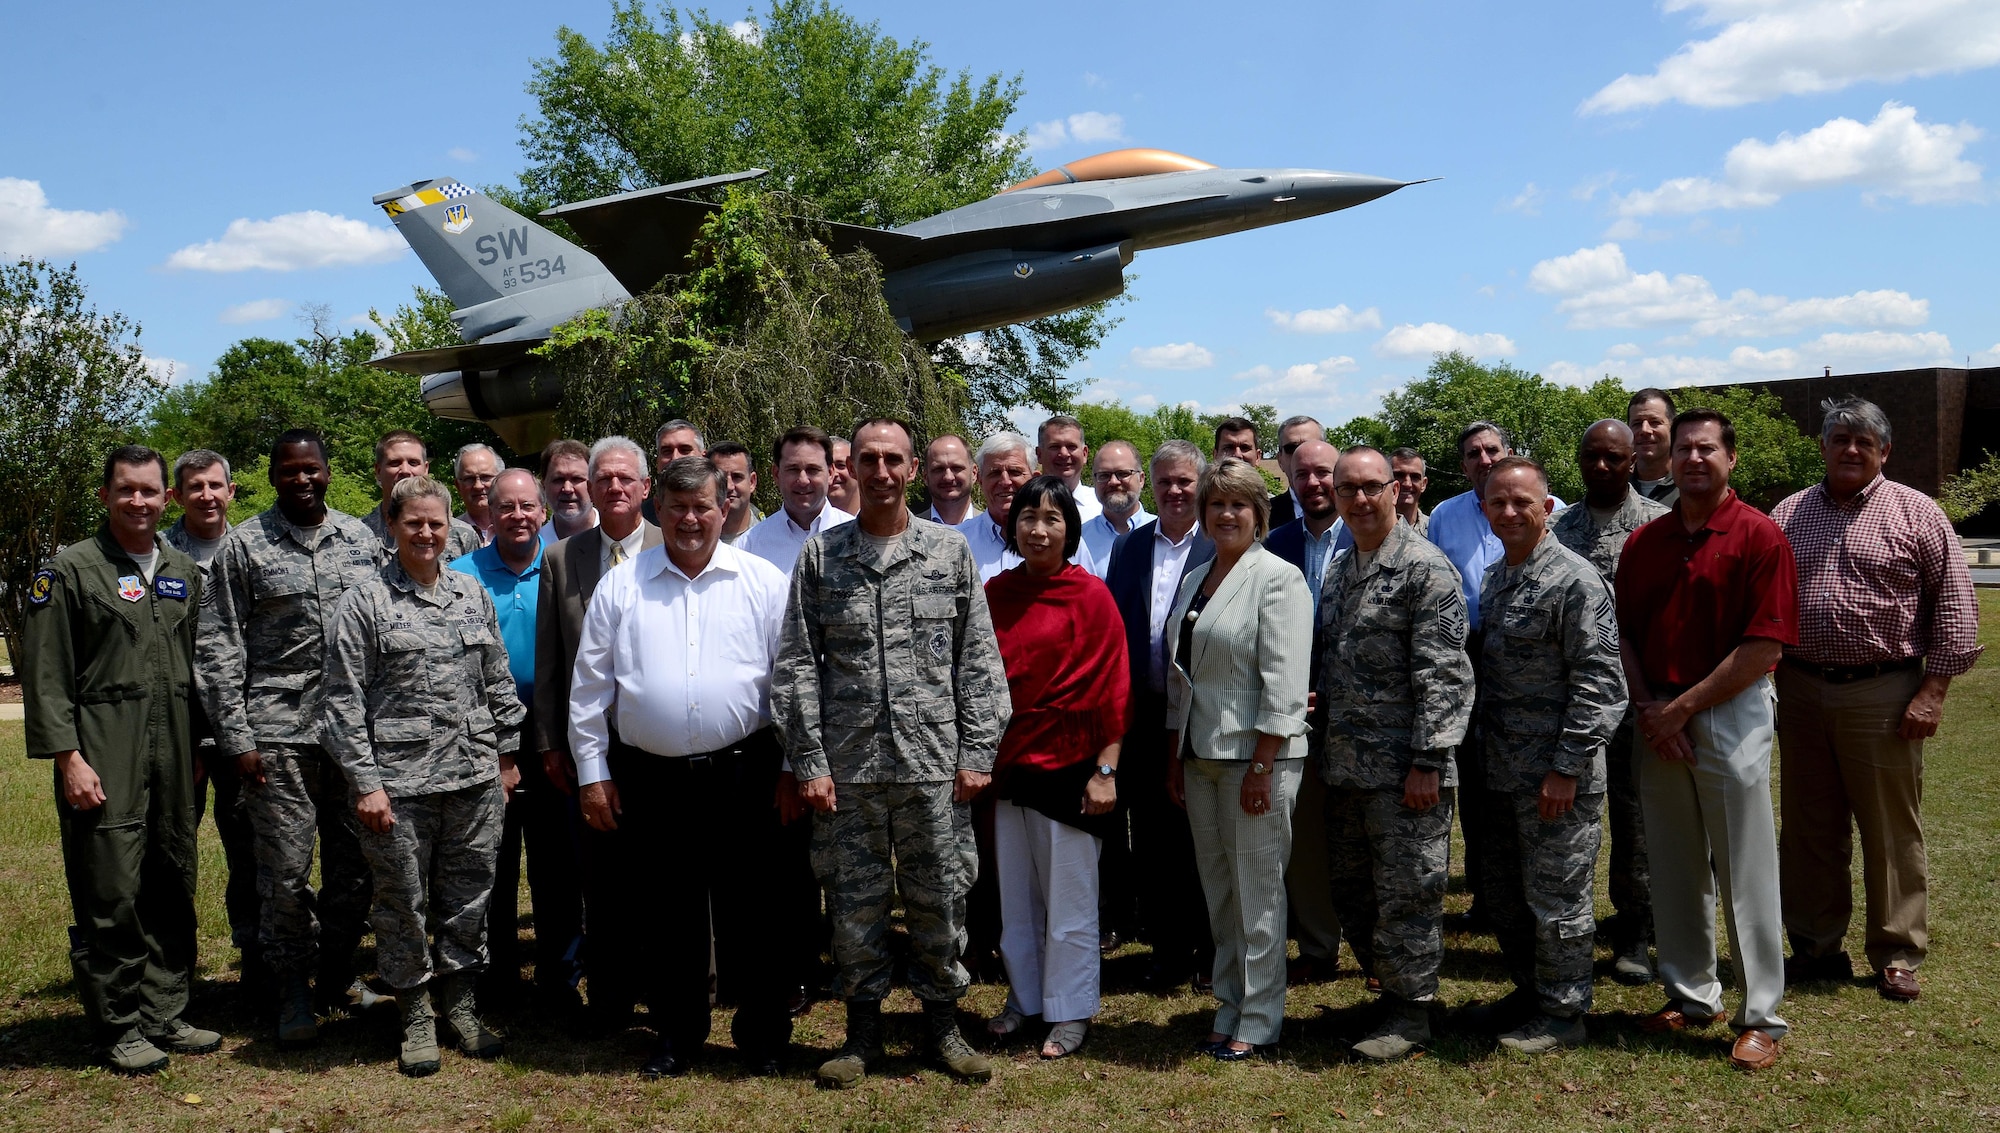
x=1459, y=528
x=510, y=568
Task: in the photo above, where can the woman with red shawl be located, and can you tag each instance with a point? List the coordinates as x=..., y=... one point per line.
x=1064, y=646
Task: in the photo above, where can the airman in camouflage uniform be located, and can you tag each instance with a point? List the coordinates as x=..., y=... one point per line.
x=1601, y=539
x=1395, y=695
x=889, y=685
x=420, y=705
x=259, y=652
x=1551, y=694
x=461, y=539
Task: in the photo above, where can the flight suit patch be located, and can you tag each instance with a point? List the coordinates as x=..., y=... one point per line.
x=40, y=590
x=176, y=588
x=131, y=587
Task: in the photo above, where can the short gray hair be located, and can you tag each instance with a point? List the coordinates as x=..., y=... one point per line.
x=675, y=426
x=1301, y=419
x=199, y=460
x=1478, y=427
x=688, y=474
x=417, y=488
x=626, y=445
x=1000, y=444
x=1177, y=451
x=458, y=461
x=1851, y=413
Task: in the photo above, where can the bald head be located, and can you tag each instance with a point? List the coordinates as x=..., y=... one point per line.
x=1605, y=457
x=1117, y=478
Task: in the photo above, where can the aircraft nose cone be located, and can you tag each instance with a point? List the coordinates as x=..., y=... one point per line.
x=1315, y=192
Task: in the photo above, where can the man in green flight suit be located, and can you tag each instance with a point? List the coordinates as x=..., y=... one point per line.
x=108, y=681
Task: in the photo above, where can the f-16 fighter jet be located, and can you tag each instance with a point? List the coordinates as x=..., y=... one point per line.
x=1049, y=244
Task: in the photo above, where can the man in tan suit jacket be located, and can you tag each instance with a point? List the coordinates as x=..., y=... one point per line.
x=571, y=570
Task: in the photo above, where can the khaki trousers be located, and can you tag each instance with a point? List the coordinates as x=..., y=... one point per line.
x=1843, y=767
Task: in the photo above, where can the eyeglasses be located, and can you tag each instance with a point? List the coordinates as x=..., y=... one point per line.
x=1105, y=475
x=1371, y=490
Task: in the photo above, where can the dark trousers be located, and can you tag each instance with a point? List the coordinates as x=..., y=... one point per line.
x=1631, y=881
x=982, y=911
x=805, y=932
x=1478, y=808
x=695, y=850
x=130, y=864
x=1172, y=910
x=546, y=821
x=239, y=850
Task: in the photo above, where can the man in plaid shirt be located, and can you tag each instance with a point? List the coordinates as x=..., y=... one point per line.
x=1887, y=618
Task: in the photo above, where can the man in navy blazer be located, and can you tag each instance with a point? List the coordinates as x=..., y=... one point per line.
x=1147, y=567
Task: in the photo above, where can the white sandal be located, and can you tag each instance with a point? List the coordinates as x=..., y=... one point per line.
x=1065, y=1039
x=1005, y=1024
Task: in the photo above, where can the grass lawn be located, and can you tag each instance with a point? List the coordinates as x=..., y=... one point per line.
x=1854, y=1061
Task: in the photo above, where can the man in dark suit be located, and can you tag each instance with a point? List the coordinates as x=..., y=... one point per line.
x=1293, y=433
x=1310, y=544
x=1147, y=566
x=571, y=571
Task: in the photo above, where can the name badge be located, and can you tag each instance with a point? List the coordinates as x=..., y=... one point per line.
x=171, y=588
x=131, y=587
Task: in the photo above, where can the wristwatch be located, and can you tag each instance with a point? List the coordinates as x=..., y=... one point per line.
x=1107, y=770
x=1257, y=768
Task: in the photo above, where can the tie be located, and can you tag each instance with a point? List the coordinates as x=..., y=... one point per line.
x=617, y=552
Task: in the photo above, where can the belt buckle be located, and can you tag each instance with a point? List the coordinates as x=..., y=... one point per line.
x=698, y=762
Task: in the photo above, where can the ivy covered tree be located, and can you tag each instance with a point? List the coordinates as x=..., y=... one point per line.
x=864, y=128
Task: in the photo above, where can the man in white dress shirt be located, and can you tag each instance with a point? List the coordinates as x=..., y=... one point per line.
x=677, y=649
x=1003, y=466
x=1119, y=482
x=804, y=461
x=1060, y=450
x=947, y=482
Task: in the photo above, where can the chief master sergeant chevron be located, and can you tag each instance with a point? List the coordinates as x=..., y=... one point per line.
x=108, y=671
x=891, y=695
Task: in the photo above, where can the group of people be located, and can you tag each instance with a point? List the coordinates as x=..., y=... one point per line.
x=1040, y=728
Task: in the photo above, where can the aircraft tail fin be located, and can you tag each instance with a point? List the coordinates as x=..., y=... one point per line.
x=480, y=250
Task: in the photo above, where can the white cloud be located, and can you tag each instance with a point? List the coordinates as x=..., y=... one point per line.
x=1269, y=384
x=311, y=239
x=1326, y=320
x=461, y=154
x=1767, y=49
x=1093, y=79
x=256, y=311
x=1843, y=352
x=1893, y=156
x=29, y=227
x=167, y=371
x=1527, y=202
x=1406, y=340
x=1988, y=357
x=1173, y=356
x=748, y=32
x=1590, y=187
x=1599, y=289
x=1624, y=350
x=1087, y=126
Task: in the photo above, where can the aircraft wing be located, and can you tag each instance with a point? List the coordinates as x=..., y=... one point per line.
x=644, y=236
x=472, y=356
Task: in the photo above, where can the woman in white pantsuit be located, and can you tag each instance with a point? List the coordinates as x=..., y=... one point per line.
x=1063, y=643
x=1240, y=639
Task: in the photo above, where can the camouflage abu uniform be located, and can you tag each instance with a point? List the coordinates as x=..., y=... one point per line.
x=460, y=538
x=420, y=703
x=1630, y=882
x=1552, y=691
x=889, y=679
x=1395, y=692
x=259, y=653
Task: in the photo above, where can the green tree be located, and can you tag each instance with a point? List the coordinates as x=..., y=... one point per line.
x=260, y=387
x=424, y=323
x=865, y=128
x=72, y=385
x=769, y=331
x=1966, y=494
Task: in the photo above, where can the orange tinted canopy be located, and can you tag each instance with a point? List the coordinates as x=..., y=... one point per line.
x=1117, y=163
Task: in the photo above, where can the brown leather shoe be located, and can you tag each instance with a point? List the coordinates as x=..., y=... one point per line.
x=1670, y=1018
x=1899, y=984
x=1754, y=1050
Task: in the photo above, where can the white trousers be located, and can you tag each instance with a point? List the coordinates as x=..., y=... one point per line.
x=1241, y=860
x=1048, y=913
x=1719, y=808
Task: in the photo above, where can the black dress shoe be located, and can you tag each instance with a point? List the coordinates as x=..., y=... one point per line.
x=1204, y=982
x=1837, y=968
x=763, y=1065
x=664, y=1063
x=800, y=1002
x=1223, y=1052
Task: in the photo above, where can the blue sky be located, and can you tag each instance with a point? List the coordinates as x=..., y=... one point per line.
x=1702, y=190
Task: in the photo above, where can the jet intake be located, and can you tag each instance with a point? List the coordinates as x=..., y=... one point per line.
x=487, y=395
x=983, y=290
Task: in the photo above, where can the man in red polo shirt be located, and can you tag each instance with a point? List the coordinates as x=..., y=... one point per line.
x=1707, y=601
